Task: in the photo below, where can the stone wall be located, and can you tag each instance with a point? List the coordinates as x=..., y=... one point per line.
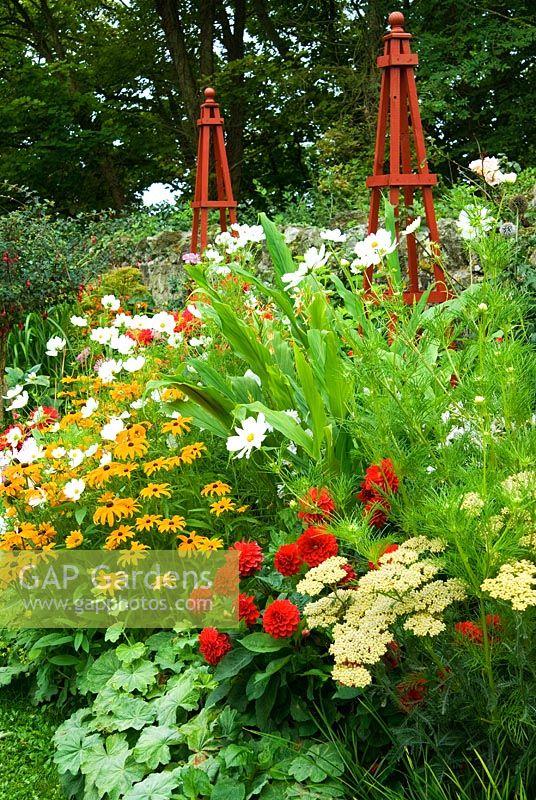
x=160, y=257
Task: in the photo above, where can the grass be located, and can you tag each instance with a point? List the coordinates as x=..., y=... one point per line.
x=27, y=771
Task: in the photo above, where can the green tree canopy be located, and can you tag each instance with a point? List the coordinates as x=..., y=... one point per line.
x=100, y=98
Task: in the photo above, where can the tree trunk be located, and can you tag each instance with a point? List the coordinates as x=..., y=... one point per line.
x=168, y=12
x=206, y=47
x=236, y=116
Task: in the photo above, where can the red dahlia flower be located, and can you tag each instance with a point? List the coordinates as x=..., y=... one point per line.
x=287, y=560
x=315, y=546
x=247, y=610
x=200, y=600
x=377, y=510
x=213, y=645
x=379, y=480
x=316, y=506
x=250, y=559
x=281, y=619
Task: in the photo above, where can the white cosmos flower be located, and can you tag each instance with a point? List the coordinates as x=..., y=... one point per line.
x=19, y=401
x=334, y=235
x=138, y=403
x=194, y=311
x=59, y=452
x=110, y=301
x=201, y=341
x=293, y=414
x=14, y=436
x=373, y=249
x=101, y=335
x=123, y=344
x=55, y=345
x=134, y=363
x=90, y=406
x=175, y=339
x=30, y=452
x=106, y=458
x=221, y=270
x=155, y=395
x=139, y=322
x=74, y=489
x=75, y=456
x=112, y=428
x=163, y=323
x=108, y=370
x=14, y=391
x=314, y=258
x=293, y=279
x=248, y=233
x=79, y=322
x=473, y=222
x=251, y=435
x=250, y=374
x=122, y=319
x=211, y=254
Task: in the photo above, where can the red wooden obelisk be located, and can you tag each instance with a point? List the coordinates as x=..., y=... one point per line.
x=399, y=120
x=211, y=141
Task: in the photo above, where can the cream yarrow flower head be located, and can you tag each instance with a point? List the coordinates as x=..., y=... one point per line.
x=472, y=504
x=515, y=584
x=329, y=573
x=518, y=486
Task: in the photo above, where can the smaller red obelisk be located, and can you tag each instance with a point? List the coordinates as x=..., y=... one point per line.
x=211, y=141
x=399, y=120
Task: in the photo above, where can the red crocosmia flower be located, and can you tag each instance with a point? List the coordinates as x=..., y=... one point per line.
x=247, y=610
x=42, y=416
x=315, y=546
x=411, y=692
x=391, y=548
x=350, y=575
x=316, y=506
x=287, y=560
x=281, y=619
x=470, y=631
x=250, y=559
x=493, y=620
x=213, y=645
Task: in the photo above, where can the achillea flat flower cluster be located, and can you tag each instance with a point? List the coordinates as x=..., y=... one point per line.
x=403, y=589
x=515, y=583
